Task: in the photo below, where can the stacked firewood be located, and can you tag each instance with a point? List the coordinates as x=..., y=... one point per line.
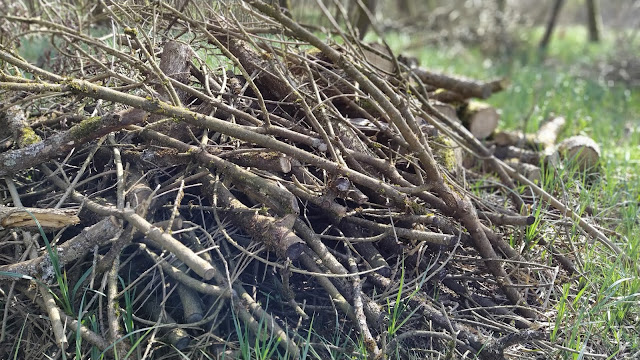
x=526, y=153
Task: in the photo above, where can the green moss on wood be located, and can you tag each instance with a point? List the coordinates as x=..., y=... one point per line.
x=444, y=151
x=28, y=137
x=133, y=32
x=86, y=128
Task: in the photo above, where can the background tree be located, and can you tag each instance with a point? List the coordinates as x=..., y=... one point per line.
x=551, y=24
x=594, y=20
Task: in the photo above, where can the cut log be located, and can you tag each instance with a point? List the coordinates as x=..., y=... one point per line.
x=581, y=149
x=529, y=171
x=548, y=133
x=515, y=138
x=514, y=152
x=465, y=87
x=446, y=96
x=379, y=57
x=447, y=110
x=16, y=217
x=480, y=118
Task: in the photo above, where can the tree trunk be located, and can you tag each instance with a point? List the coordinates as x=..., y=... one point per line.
x=359, y=18
x=557, y=6
x=501, y=7
x=594, y=20
x=405, y=7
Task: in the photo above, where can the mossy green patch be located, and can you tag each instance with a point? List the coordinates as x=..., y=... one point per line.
x=133, y=32
x=28, y=137
x=444, y=150
x=86, y=128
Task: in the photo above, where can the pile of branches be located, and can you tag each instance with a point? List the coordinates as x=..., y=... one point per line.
x=210, y=177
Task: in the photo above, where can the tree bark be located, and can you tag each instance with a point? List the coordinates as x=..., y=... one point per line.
x=594, y=20
x=501, y=6
x=405, y=7
x=551, y=24
x=359, y=17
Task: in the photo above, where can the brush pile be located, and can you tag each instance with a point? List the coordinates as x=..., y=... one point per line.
x=217, y=180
